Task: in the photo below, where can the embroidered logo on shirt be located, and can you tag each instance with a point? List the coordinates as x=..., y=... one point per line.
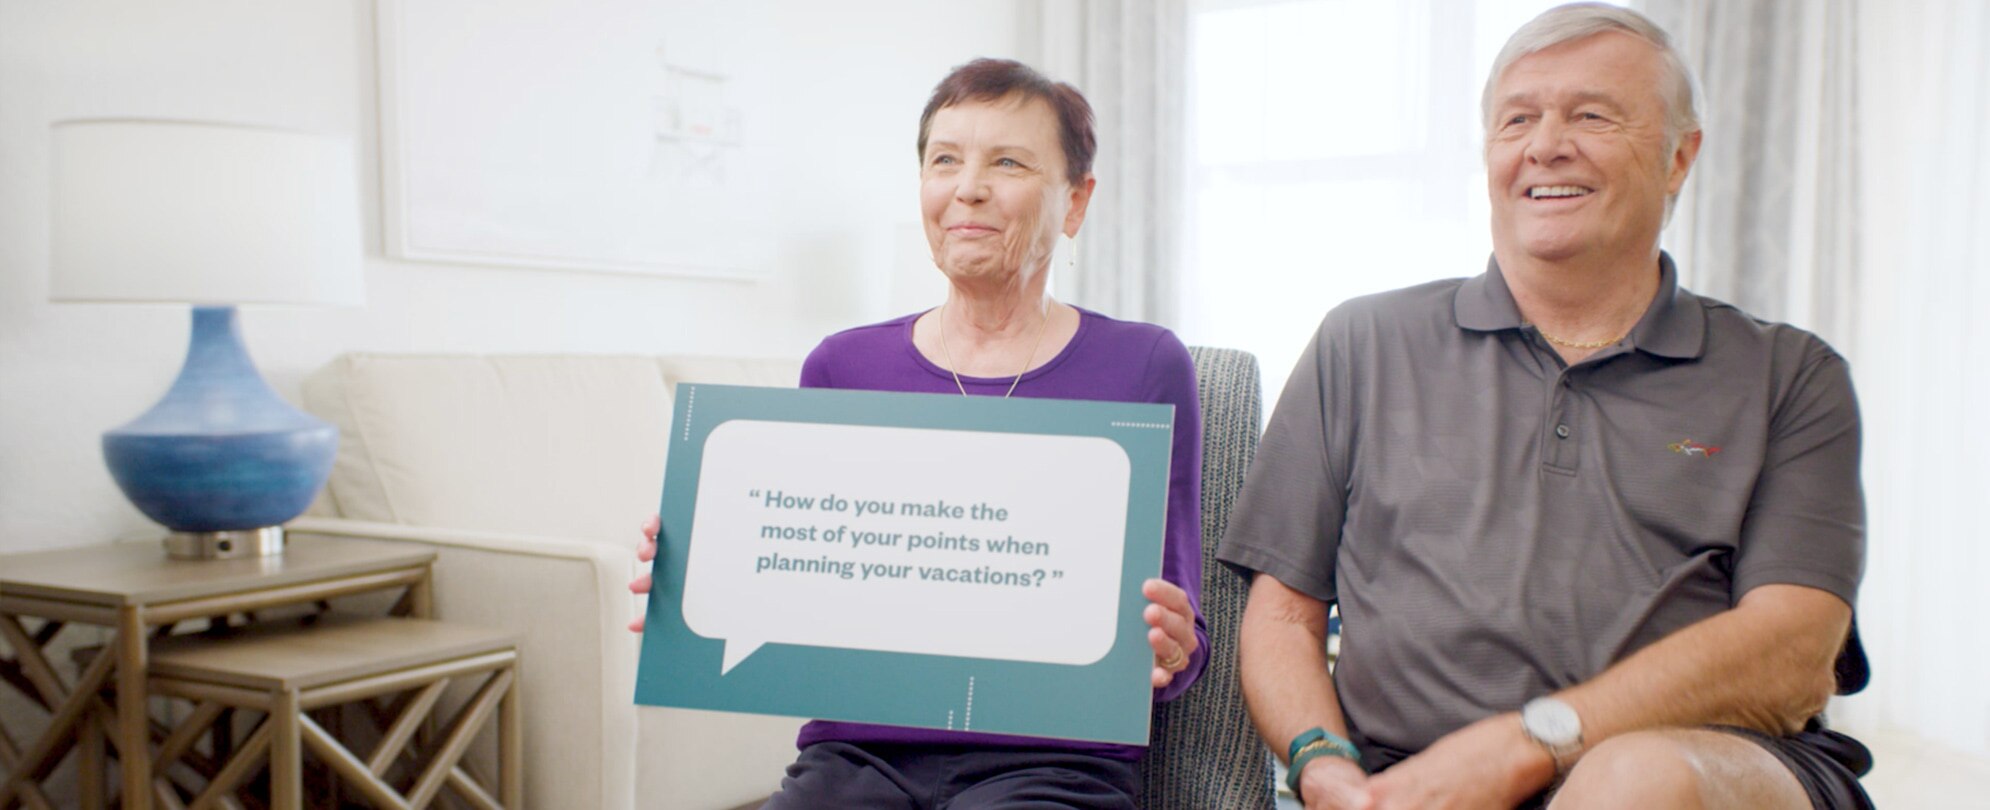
x=1693, y=448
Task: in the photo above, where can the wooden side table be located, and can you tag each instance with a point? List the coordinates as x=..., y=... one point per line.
x=136, y=590
x=287, y=673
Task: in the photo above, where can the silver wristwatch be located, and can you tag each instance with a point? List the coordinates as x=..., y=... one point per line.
x=1553, y=724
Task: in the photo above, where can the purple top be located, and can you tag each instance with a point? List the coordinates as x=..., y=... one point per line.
x=1107, y=360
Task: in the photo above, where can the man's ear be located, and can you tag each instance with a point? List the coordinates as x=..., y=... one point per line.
x=1683, y=156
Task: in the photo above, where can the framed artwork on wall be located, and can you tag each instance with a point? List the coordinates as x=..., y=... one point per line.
x=602, y=135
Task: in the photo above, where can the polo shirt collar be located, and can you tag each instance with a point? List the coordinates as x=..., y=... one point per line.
x=1485, y=304
x=1674, y=326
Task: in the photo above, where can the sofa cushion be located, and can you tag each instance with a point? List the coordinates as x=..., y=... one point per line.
x=767, y=373
x=561, y=445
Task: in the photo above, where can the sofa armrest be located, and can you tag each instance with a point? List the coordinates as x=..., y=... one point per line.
x=568, y=601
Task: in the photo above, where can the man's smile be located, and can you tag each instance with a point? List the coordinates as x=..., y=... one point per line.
x=1556, y=192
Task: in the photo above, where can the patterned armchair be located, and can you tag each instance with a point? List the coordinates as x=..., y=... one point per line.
x=1205, y=753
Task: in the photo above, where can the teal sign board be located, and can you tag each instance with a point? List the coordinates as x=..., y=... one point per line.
x=909, y=559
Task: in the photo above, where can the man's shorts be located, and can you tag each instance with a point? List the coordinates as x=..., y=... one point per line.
x=1828, y=764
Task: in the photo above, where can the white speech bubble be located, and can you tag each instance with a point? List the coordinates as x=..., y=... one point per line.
x=809, y=582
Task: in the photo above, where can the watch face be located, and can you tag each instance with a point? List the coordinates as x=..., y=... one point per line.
x=1551, y=721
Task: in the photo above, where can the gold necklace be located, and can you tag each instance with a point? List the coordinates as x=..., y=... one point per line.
x=1577, y=344
x=1041, y=327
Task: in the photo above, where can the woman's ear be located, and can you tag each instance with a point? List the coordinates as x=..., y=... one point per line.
x=1081, y=196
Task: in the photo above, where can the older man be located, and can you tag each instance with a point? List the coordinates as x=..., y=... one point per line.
x=1585, y=528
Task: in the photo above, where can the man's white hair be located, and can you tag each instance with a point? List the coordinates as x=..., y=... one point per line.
x=1580, y=20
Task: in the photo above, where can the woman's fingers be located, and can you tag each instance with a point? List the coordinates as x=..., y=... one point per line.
x=645, y=552
x=1169, y=657
x=1166, y=594
x=1178, y=626
x=1168, y=611
x=1171, y=629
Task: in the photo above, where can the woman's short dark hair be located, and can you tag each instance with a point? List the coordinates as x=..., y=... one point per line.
x=991, y=79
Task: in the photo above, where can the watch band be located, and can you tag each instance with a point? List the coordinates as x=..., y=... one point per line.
x=1312, y=744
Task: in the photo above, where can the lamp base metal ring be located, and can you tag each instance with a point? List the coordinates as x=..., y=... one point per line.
x=226, y=545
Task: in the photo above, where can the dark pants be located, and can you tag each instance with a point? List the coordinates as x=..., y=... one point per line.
x=834, y=775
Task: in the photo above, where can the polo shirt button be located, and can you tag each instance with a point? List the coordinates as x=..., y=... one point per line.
x=1561, y=431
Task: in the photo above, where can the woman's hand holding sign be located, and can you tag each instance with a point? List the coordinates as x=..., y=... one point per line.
x=1170, y=628
x=645, y=552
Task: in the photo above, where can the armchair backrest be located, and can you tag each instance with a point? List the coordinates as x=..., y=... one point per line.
x=1204, y=752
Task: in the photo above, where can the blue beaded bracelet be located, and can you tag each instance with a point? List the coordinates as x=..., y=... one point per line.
x=1312, y=744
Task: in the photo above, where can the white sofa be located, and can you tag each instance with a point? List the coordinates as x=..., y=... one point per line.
x=529, y=476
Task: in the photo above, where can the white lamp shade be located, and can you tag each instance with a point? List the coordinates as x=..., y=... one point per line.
x=203, y=213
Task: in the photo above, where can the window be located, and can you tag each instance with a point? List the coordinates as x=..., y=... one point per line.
x=1334, y=151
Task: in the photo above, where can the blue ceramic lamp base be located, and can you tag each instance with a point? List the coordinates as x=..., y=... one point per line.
x=221, y=460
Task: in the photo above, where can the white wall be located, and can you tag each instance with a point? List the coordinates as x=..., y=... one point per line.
x=856, y=73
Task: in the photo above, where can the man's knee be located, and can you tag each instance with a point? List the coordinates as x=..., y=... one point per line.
x=1642, y=769
x=1699, y=769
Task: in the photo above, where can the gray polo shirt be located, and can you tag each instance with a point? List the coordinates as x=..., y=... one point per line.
x=1497, y=525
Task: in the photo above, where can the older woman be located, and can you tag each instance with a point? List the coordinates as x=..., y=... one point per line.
x=1005, y=157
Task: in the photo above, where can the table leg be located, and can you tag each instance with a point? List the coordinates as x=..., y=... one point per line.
x=333, y=719
x=90, y=770
x=133, y=730
x=286, y=754
x=421, y=601
x=511, y=746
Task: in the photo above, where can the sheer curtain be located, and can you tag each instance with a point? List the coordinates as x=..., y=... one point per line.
x=1127, y=57
x=1767, y=222
x=1845, y=187
x=1922, y=364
